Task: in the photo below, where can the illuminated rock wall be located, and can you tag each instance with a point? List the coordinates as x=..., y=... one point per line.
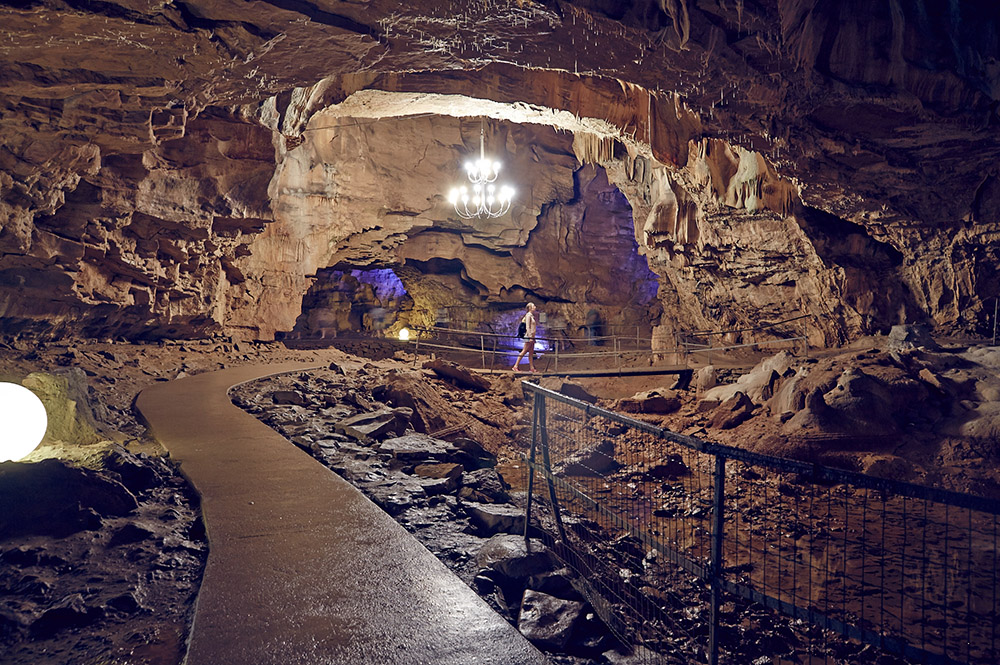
x=182, y=170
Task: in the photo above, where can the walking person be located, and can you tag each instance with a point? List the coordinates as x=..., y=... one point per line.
x=530, y=322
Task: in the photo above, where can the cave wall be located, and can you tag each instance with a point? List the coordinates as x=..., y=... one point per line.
x=225, y=228
x=165, y=170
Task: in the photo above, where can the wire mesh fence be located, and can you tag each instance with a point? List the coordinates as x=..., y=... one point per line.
x=693, y=551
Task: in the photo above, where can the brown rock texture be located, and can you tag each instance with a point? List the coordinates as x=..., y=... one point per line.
x=187, y=169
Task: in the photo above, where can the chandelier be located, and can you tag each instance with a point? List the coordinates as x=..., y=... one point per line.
x=482, y=198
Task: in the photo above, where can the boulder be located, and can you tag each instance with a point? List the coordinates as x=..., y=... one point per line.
x=472, y=455
x=442, y=470
x=508, y=556
x=493, y=518
x=596, y=461
x=910, y=337
x=375, y=425
x=652, y=401
x=414, y=447
x=814, y=413
x=52, y=498
x=576, y=391
x=754, y=382
x=65, y=396
x=289, y=397
x=442, y=478
x=790, y=396
x=548, y=621
x=705, y=378
x=460, y=376
x=671, y=467
x=770, y=386
x=484, y=486
x=732, y=412
x=431, y=411
x=863, y=405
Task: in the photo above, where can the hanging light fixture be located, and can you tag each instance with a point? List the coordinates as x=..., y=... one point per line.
x=482, y=197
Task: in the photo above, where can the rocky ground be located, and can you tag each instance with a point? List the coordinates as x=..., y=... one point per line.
x=112, y=580
x=101, y=543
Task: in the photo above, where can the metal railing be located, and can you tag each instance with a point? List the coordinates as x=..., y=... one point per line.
x=494, y=350
x=700, y=341
x=699, y=551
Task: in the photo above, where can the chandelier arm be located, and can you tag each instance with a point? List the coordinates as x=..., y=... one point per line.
x=487, y=201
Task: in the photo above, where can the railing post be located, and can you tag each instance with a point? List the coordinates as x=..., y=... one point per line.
x=996, y=303
x=805, y=336
x=556, y=348
x=482, y=346
x=531, y=465
x=544, y=441
x=715, y=566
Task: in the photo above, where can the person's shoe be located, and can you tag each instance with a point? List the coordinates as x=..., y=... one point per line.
x=533, y=370
x=514, y=369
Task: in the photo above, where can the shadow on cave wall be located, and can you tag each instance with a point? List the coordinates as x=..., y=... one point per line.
x=873, y=285
x=580, y=264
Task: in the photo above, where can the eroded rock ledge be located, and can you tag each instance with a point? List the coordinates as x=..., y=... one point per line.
x=181, y=170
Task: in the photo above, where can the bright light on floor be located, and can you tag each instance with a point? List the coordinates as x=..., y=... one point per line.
x=23, y=420
x=404, y=334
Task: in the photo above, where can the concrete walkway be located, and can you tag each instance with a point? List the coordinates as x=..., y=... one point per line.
x=302, y=568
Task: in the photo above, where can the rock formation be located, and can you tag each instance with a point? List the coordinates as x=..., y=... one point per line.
x=177, y=170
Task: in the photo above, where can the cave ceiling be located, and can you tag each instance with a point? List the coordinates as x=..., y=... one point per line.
x=178, y=168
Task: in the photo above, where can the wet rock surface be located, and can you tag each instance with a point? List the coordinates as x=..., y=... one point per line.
x=130, y=540
x=97, y=565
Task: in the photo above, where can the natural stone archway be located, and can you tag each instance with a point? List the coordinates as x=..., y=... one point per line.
x=569, y=241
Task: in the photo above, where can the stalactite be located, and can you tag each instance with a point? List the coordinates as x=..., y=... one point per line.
x=593, y=149
x=678, y=12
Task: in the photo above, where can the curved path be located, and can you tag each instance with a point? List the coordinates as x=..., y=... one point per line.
x=302, y=568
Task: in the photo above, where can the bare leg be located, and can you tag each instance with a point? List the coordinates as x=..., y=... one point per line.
x=521, y=355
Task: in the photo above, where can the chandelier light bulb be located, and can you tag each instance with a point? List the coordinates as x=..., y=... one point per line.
x=24, y=421
x=487, y=201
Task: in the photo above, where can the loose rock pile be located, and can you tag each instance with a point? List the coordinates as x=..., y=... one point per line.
x=97, y=565
x=448, y=493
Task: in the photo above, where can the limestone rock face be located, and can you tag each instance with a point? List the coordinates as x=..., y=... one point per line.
x=185, y=171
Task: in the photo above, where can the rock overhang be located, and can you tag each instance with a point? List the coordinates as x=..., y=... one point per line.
x=889, y=148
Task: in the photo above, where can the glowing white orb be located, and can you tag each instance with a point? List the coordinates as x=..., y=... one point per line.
x=404, y=334
x=22, y=421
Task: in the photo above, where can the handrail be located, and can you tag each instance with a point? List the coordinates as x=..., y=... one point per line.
x=782, y=464
x=710, y=333
x=728, y=510
x=698, y=348
x=562, y=338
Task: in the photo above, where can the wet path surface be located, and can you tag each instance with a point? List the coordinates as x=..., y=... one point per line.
x=303, y=569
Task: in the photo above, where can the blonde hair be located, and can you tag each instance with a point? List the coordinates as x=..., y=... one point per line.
x=531, y=305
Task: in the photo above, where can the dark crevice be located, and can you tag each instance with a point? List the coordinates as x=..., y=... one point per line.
x=847, y=243
x=326, y=18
